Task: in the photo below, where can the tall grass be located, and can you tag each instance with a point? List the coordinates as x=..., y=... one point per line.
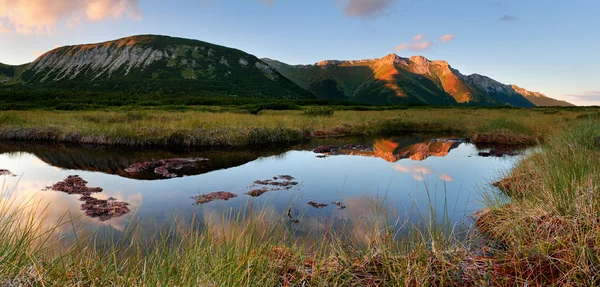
x=249, y=248
x=549, y=233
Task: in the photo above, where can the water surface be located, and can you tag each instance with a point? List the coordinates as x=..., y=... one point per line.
x=407, y=176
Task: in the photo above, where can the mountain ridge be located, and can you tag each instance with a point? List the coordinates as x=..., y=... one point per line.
x=409, y=79
x=172, y=65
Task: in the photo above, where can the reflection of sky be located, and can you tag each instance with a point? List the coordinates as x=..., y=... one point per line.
x=454, y=181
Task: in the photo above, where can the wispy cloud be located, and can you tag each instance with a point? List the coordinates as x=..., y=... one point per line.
x=588, y=97
x=416, y=171
x=415, y=47
x=42, y=16
x=3, y=29
x=418, y=38
x=367, y=8
x=446, y=177
x=447, y=38
x=508, y=18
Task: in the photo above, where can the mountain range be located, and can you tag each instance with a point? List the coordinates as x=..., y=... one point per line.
x=175, y=66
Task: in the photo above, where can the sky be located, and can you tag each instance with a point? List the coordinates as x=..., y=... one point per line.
x=548, y=46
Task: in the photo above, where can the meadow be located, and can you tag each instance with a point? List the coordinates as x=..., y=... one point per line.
x=222, y=126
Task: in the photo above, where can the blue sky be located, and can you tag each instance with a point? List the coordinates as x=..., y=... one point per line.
x=549, y=46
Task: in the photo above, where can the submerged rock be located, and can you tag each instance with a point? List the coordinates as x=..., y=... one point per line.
x=317, y=205
x=103, y=209
x=74, y=184
x=257, y=192
x=219, y=195
x=165, y=167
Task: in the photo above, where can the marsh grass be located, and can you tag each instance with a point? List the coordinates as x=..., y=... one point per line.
x=550, y=229
x=251, y=248
x=214, y=126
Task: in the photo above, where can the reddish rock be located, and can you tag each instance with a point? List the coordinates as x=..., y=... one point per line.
x=222, y=195
x=257, y=192
x=74, y=184
x=104, y=209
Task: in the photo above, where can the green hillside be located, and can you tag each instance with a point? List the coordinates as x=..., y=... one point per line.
x=149, y=63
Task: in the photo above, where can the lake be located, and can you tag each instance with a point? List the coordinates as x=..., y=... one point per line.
x=352, y=183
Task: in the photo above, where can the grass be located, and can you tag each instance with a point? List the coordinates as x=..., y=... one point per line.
x=222, y=126
x=549, y=231
x=237, y=249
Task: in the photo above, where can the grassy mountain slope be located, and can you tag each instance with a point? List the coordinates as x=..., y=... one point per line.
x=149, y=63
x=393, y=79
x=377, y=81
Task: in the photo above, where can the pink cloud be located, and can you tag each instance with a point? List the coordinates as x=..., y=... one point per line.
x=42, y=16
x=402, y=47
x=447, y=38
x=418, y=38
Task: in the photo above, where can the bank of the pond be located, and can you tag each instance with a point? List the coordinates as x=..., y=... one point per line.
x=218, y=129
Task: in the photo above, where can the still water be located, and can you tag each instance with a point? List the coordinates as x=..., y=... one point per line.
x=407, y=176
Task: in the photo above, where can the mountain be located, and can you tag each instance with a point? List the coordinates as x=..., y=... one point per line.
x=393, y=79
x=150, y=63
x=540, y=99
x=154, y=66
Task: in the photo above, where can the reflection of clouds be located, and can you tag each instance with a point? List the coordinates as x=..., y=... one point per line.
x=417, y=171
x=446, y=177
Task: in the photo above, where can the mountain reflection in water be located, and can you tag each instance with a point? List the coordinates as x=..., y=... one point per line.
x=403, y=174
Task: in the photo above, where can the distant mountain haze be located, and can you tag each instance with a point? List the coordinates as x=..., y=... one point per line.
x=151, y=63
